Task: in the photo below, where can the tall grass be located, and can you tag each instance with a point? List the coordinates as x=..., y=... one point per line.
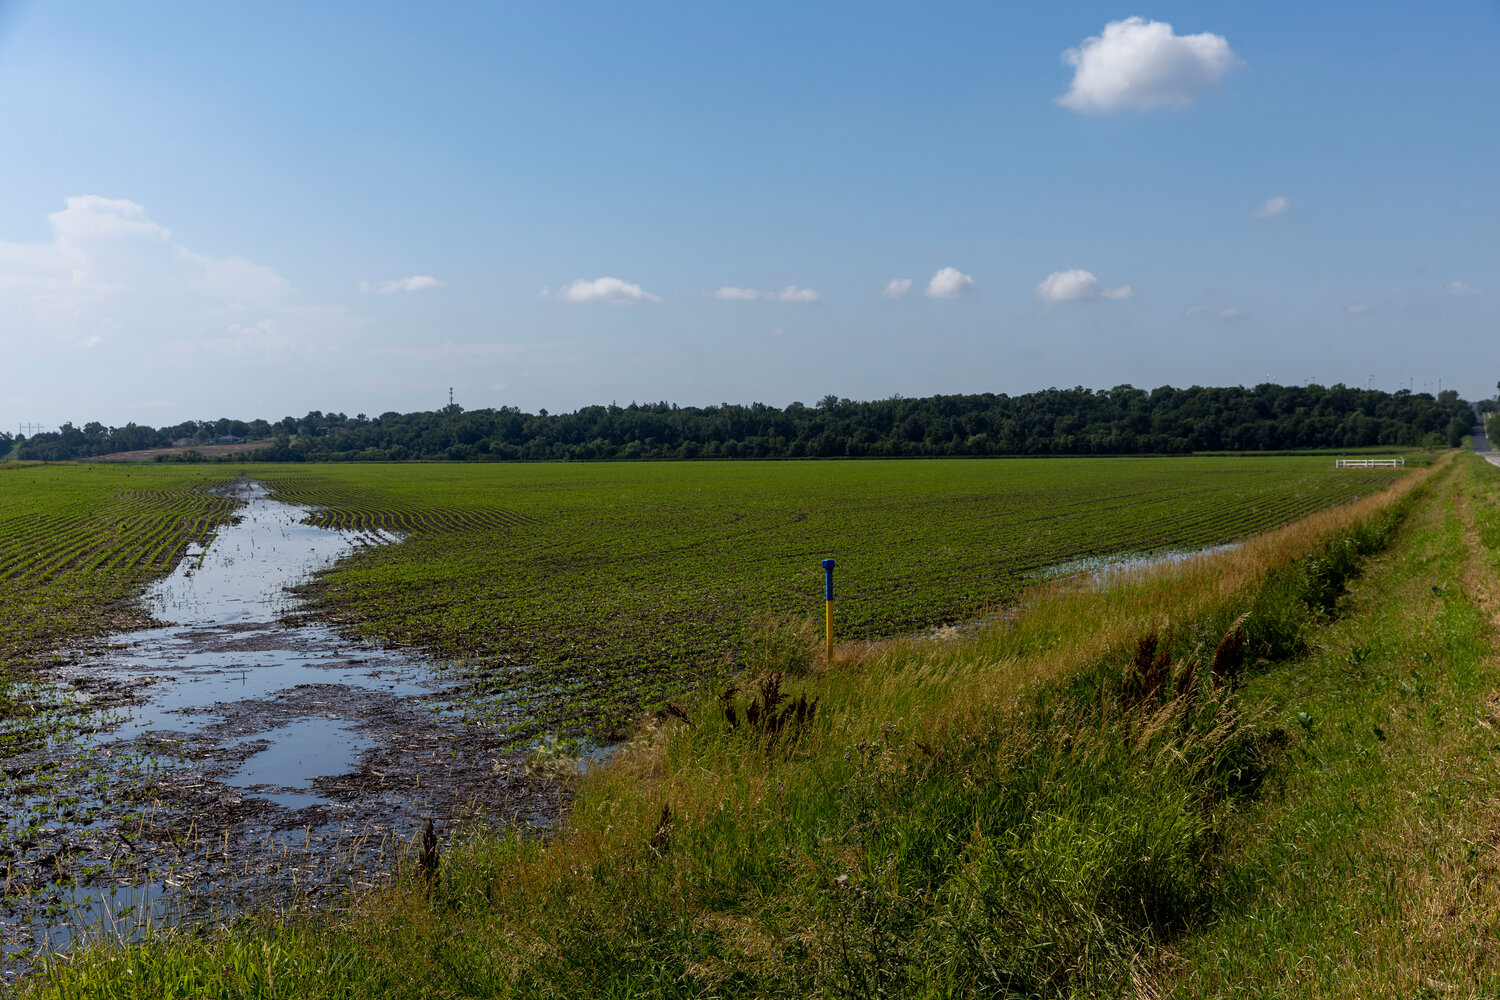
x=1029, y=810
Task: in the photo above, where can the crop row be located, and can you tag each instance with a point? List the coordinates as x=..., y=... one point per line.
x=78, y=541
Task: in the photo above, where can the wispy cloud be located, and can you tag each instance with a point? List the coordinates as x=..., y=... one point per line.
x=1143, y=65
x=1272, y=206
x=1457, y=287
x=1231, y=312
x=896, y=287
x=416, y=283
x=949, y=283
x=1357, y=308
x=791, y=293
x=110, y=273
x=731, y=294
x=611, y=291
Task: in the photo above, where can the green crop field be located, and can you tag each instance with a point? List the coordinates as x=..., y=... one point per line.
x=584, y=591
x=614, y=585
x=77, y=543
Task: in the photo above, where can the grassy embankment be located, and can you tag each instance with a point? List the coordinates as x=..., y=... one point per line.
x=1224, y=775
x=1374, y=868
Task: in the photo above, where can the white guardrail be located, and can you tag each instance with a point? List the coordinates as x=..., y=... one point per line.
x=1369, y=463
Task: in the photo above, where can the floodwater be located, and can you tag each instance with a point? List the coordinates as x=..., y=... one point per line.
x=1100, y=571
x=233, y=756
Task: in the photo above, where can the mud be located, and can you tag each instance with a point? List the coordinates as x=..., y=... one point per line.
x=232, y=755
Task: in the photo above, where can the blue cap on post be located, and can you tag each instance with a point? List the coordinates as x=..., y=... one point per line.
x=827, y=579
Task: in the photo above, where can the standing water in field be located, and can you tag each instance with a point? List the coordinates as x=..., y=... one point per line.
x=235, y=757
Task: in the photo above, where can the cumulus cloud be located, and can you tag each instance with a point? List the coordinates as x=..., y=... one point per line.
x=611, y=291
x=1067, y=286
x=1272, y=206
x=896, y=287
x=949, y=283
x=1356, y=308
x=1077, y=285
x=1143, y=65
x=731, y=294
x=416, y=283
x=791, y=293
x=111, y=274
x=1456, y=287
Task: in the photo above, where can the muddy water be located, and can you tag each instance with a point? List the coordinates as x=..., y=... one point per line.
x=232, y=757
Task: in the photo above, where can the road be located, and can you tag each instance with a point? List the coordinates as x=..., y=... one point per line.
x=1482, y=445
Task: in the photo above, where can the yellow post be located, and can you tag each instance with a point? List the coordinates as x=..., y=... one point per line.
x=828, y=623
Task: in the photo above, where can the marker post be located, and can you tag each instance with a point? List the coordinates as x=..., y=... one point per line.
x=828, y=608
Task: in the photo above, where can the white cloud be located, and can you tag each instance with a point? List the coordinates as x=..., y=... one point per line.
x=896, y=287
x=112, y=277
x=791, y=293
x=1272, y=206
x=1193, y=311
x=1356, y=308
x=1232, y=312
x=1067, y=286
x=238, y=281
x=1456, y=287
x=416, y=283
x=90, y=217
x=1142, y=65
x=612, y=291
x=949, y=283
x=1076, y=285
x=731, y=294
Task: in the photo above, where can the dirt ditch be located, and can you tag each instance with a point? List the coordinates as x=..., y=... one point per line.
x=232, y=755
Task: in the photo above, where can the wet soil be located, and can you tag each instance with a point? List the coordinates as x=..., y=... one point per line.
x=231, y=754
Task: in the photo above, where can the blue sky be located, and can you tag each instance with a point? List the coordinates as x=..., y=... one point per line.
x=259, y=210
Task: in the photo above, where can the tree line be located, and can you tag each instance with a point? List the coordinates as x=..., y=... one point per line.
x=1119, y=421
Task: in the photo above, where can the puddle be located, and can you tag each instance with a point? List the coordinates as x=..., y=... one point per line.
x=1092, y=573
x=1100, y=571
x=232, y=753
x=302, y=751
